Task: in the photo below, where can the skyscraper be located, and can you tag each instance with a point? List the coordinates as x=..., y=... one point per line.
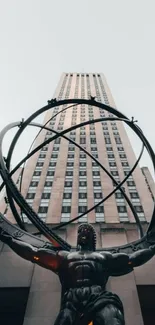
x=60, y=182
x=62, y=173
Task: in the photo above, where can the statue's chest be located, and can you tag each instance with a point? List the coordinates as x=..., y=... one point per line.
x=85, y=258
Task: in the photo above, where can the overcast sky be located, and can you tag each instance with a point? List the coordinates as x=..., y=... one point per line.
x=41, y=39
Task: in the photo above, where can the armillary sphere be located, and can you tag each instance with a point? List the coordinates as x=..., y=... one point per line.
x=14, y=195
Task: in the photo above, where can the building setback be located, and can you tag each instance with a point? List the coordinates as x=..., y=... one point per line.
x=60, y=182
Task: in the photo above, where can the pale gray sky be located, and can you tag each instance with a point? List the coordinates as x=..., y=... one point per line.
x=41, y=39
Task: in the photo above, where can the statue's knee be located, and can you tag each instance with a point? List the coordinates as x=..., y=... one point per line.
x=65, y=317
x=109, y=315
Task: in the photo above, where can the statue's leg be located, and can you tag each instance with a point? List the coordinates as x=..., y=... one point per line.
x=65, y=317
x=109, y=315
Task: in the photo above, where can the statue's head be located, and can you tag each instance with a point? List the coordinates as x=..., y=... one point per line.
x=86, y=237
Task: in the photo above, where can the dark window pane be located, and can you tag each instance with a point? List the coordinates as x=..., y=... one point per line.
x=99, y=209
x=45, y=195
x=82, y=209
x=37, y=173
x=34, y=184
x=48, y=183
x=30, y=195
x=67, y=195
x=66, y=209
x=42, y=209
x=50, y=173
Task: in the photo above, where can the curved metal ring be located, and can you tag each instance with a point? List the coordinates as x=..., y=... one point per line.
x=5, y=169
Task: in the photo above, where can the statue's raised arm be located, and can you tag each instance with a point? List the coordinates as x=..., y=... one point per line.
x=44, y=257
x=121, y=263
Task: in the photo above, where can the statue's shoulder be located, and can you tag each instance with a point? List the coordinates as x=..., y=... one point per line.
x=63, y=254
x=106, y=254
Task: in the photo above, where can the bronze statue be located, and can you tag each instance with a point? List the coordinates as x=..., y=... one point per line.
x=83, y=275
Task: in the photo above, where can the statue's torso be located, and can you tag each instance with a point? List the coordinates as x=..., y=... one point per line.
x=83, y=269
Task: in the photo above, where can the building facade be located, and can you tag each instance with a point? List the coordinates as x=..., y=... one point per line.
x=149, y=181
x=61, y=182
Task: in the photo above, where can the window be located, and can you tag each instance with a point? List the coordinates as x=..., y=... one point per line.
x=30, y=195
x=82, y=209
x=55, y=148
x=111, y=155
x=42, y=155
x=107, y=140
x=34, y=184
x=138, y=208
x=114, y=172
x=82, y=195
x=94, y=164
x=43, y=209
x=119, y=195
x=57, y=141
x=121, y=208
x=109, y=148
x=39, y=164
x=115, y=133
x=122, y=155
x=118, y=140
x=82, y=173
x=134, y=195
x=50, y=173
x=92, y=140
x=70, y=163
x=66, y=209
x=46, y=196
x=98, y=195
x=93, y=148
x=69, y=173
x=48, y=184
x=71, y=148
x=82, y=140
x=82, y=183
x=125, y=163
x=44, y=149
x=126, y=172
x=96, y=183
x=82, y=155
x=95, y=155
x=82, y=164
x=37, y=173
x=120, y=148
x=54, y=155
x=99, y=209
x=112, y=164
x=68, y=184
x=92, y=132
x=96, y=173
x=67, y=195
x=52, y=163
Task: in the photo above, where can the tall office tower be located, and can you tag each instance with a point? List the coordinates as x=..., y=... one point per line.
x=61, y=181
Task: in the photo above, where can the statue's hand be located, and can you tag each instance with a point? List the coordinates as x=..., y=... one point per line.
x=5, y=237
x=152, y=247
